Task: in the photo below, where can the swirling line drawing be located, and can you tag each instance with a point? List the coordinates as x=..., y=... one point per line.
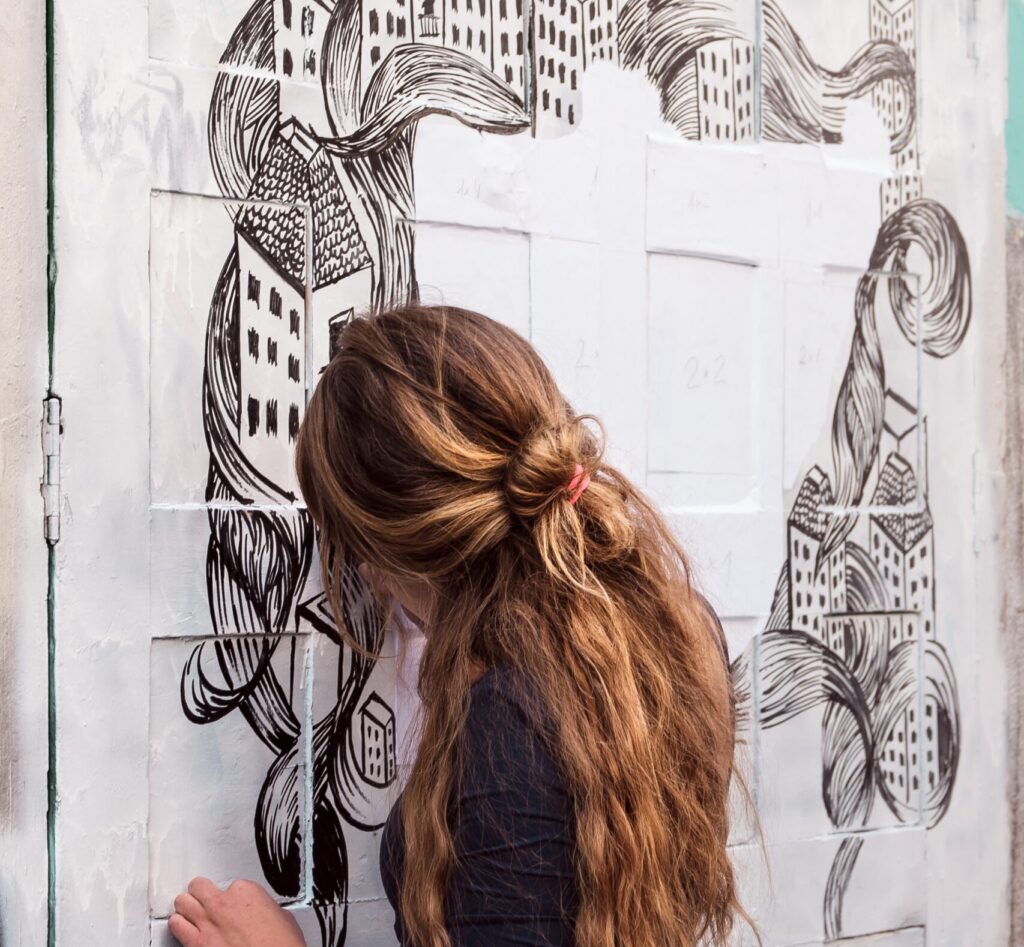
x=262, y=544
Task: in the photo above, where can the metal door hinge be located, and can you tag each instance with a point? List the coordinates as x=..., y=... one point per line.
x=50, y=489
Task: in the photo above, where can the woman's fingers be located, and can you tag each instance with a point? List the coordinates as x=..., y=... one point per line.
x=189, y=908
x=204, y=891
x=183, y=930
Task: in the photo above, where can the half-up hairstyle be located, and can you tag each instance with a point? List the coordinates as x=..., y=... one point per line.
x=437, y=447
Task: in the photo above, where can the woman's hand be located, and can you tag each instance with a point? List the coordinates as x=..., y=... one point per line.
x=244, y=915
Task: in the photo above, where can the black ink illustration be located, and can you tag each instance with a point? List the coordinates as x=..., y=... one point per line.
x=311, y=135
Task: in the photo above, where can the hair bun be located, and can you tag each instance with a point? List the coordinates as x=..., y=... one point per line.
x=540, y=471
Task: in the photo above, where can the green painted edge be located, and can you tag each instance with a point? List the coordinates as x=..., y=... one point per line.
x=1015, y=112
x=51, y=580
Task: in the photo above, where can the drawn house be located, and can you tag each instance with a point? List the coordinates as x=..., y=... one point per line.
x=385, y=25
x=901, y=541
x=558, y=63
x=815, y=590
x=377, y=726
x=894, y=20
x=718, y=92
x=299, y=27
x=600, y=26
x=297, y=182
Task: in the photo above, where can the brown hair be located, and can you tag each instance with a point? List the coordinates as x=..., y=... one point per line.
x=438, y=447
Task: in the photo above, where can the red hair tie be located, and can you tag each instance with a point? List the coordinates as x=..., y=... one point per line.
x=580, y=481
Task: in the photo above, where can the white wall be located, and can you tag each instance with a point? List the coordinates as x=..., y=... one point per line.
x=698, y=295
x=23, y=585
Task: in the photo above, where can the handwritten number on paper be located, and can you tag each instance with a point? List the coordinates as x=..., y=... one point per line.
x=701, y=372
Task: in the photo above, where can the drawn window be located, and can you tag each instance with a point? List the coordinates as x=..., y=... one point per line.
x=703, y=61
x=254, y=345
x=271, y=351
x=924, y=581
x=335, y=328
x=561, y=8
x=572, y=79
x=572, y=48
x=275, y=302
x=391, y=23
x=309, y=63
x=748, y=54
x=503, y=9
x=469, y=37
x=504, y=47
x=483, y=7
x=455, y=4
x=455, y=35
x=400, y=28
x=737, y=56
x=725, y=92
x=293, y=422
x=593, y=36
x=375, y=54
x=542, y=61
x=572, y=117
x=551, y=32
x=272, y=417
x=254, y=289
x=508, y=74
x=558, y=107
x=546, y=100
x=807, y=551
x=483, y=42
x=572, y=15
x=551, y=69
x=286, y=62
x=561, y=72
x=542, y=31
x=714, y=62
x=293, y=368
x=374, y=22
x=307, y=21
x=519, y=44
x=561, y=40
x=286, y=13
x=924, y=551
x=293, y=322
x=519, y=8
x=254, y=415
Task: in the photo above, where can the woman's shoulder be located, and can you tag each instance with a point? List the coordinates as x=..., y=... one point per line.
x=506, y=730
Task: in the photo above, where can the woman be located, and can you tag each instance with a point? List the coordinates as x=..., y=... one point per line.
x=571, y=782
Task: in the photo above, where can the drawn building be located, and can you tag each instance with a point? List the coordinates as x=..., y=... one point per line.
x=299, y=28
x=717, y=90
x=894, y=21
x=901, y=542
x=377, y=727
x=297, y=182
x=385, y=24
x=600, y=31
x=899, y=761
x=558, y=64
x=815, y=589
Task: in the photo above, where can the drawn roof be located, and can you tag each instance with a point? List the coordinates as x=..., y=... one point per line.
x=297, y=171
x=806, y=514
x=900, y=416
x=897, y=487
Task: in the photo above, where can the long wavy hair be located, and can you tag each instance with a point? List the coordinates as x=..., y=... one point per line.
x=437, y=447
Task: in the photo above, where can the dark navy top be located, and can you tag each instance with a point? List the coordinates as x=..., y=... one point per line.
x=514, y=878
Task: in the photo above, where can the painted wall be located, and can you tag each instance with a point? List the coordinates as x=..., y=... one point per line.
x=763, y=241
x=23, y=552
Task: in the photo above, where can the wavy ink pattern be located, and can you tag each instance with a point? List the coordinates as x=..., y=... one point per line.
x=321, y=100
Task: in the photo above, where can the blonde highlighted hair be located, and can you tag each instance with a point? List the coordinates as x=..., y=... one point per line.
x=437, y=447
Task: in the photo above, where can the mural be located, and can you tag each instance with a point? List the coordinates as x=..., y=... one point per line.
x=312, y=122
